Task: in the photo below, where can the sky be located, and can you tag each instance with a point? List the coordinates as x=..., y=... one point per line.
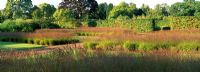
x=151, y=3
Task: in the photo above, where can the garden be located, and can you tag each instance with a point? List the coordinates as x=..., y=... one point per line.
x=87, y=36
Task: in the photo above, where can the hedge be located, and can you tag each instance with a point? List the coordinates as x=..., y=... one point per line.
x=185, y=23
x=40, y=41
x=143, y=45
x=28, y=25
x=139, y=25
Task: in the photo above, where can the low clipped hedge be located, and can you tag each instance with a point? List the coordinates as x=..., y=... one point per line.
x=143, y=46
x=87, y=34
x=139, y=25
x=40, y=41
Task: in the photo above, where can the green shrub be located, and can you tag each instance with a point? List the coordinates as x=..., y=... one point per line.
x=41, y=42
x=129, y=45
x=69, y=24
x=50, y=42
x=165, y=45
x=188, y=46
x=146, y=46
x=30, y=41
x=89, y=45
x=9, y=25
x=36, y=41
x=107, y=45
x=92, y=23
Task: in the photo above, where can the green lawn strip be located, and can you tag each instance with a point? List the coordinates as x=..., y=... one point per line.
x=17, y=46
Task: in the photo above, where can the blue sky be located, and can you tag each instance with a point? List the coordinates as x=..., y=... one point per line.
x=151, y=3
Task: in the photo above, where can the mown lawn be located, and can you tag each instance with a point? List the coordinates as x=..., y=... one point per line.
x=17, y=46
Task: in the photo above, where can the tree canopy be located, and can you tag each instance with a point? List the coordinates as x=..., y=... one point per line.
x=80, y=7
x=18, y=9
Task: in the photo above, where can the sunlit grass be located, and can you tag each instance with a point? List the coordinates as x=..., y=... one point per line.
x=18, y=46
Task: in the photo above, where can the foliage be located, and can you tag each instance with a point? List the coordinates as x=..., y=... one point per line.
x=107, y=45
x=87, y=34
x=130, y=45
x=21, y=25
x=104, y=10
x=145, y=46
x=182, y=9
x=185, y=23
x=89, y=45
x=47, y=10
x=64, y=18
x=39, y=41
x=123, y=9
x=197, y=15
x=36, y=13
x=18, y=9
x=92, y=23
x=80, y=7
x=188, y=46
x=139, y=25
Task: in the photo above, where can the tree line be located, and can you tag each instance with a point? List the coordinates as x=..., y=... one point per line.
x=69, y=11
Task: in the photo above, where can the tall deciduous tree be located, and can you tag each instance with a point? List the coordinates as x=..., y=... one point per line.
x=160, y=11
x=80, y=7
x=104, y=9
x=2, y=18
x=182, y=9
x=18, y=9
x=47, y=10
x=8, y=9
x=123, y=9
x=145, y=9
x=63, y=15
x=36, y=13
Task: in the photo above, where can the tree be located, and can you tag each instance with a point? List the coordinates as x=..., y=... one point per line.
x=197, y=15
x=123, y=9
x=8, y=9
x=18, y=9
x=197, y=6
x=47, y=10
x=2, y=18
x=104, y=9
x=182, y=9
x=36, y=13
x=80, y=7
x=160, y=11
x=132, y=9
x=63, y=15
x=145, y=9
x=65, y=18
x=189, y=1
